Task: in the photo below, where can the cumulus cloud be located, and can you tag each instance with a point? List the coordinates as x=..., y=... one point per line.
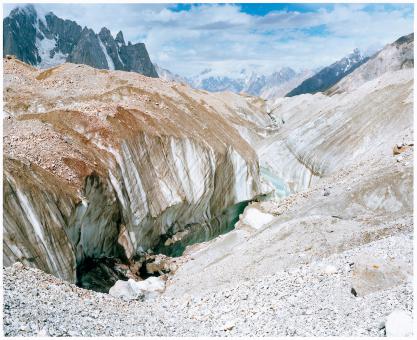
x=226, y=38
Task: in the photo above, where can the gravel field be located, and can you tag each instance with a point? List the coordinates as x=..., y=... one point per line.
x=306, y=301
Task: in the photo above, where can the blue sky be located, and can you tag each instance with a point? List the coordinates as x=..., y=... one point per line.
x=229, y=37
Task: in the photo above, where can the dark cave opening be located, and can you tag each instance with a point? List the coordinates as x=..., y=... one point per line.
x=100, y=274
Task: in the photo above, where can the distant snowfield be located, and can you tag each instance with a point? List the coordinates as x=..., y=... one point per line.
x=45, y=46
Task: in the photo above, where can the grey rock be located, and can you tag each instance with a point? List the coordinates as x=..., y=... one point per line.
x=19, y=35
x=135, y=58
x=88, y=51
x=112, y=47
x=25, y=31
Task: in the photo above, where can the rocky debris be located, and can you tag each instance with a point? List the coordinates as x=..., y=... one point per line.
x=134, y=290
x=308, y=226
x=160, y=264
x=295, y=275
x=400, y=148
x=293, y=301
x=103, y=274
x=399, y=324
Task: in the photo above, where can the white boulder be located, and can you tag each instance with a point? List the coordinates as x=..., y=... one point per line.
x=255, y=218
x=399, y=323
x=131, y=289
x=330, y=269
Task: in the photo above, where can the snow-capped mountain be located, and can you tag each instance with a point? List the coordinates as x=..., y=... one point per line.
x=274, y=85
x=330, y=75
x=168, y=75
x=247, y=82
x=393, y=57
x=44, y=40
x=281, y=89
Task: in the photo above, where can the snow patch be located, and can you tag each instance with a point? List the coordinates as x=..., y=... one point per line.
x=45, y=46
x=109, y=60
x=118, y=57
x=41, y=14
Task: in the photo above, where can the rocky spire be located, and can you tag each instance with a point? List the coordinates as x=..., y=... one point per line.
x=119, y=39
x=25, y=31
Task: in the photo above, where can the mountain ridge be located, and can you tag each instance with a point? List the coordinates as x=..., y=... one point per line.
x=45, y=40
x=265, y=86
x=330, y=75
x=394, y=56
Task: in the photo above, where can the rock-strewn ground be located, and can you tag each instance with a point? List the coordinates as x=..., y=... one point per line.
x=307, y=300
x=307, y=293
x=362, y=203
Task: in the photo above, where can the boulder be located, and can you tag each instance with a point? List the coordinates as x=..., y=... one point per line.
x=255, y=218
x=399, y=323
x=373, y=274
x=160, y=264
x=123, y=289
x=330, y=269
x=149, y=288
x=133, y=290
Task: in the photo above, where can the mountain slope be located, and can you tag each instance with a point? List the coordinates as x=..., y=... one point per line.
x=393, y=57
x=47, y=41
x=273, y=91
x=329, y=75
x=168, y=75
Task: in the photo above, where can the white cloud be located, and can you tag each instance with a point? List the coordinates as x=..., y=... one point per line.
x=224, y=38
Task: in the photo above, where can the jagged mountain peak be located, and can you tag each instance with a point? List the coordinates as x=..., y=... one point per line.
x=404, y=39
x=28, y=9
x=104, y=31
x=42, y=39
x=120, y=39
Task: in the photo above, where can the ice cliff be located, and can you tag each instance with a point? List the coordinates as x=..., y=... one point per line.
x=101, y=164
